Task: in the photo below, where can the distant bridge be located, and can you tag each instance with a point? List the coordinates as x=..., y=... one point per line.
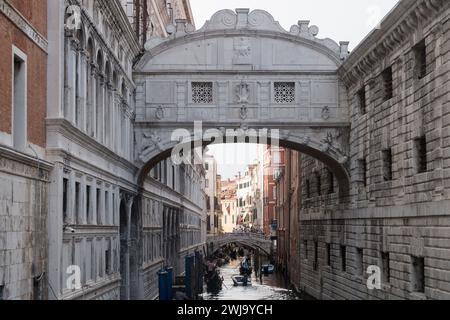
x=252, y=240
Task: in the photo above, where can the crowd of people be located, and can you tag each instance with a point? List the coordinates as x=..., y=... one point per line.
x=245, y=229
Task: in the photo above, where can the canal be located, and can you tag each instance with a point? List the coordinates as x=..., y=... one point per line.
x=272, y=287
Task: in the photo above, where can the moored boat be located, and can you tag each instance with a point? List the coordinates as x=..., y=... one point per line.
x=242, y=281
x=268, y=269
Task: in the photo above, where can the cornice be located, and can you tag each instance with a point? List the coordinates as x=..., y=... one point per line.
x=24, y=25
x=119, y=13
x=394, y=29
x=65, y=128
x=124, y=184
x=121, y=25
x=181, y=201
x=169, y=43
x=14, y=155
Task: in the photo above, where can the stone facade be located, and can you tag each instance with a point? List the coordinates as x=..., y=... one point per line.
x=372, y=128
x=288, y=191
x=397, y=214
x=212, y=181
x=118, y=232
x=229, y=202
x=24, y=174
x=152, y=18
x=89, y=130
x=274, y=163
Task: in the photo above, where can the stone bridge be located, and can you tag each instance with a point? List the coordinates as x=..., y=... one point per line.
x=252, y=240
x=243, y=72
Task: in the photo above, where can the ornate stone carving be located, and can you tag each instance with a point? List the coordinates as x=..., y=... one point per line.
x=242, y=51
x=244, y=112
x=180, y=28
x=160, y=113
x=326, y=113
x=243, y=92
x=260, y=19
x=221, y=20
x=306, y=140
x=303, y=30
x=329, y=142
x=257, y=19
x=148, y=143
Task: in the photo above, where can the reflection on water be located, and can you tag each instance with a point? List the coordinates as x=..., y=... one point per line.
x=271, y=288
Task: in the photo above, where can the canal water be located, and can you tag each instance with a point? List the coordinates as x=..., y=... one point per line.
x=272, y=287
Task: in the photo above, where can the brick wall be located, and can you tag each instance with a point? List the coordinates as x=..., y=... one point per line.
x=23, y=180
x=36, y=11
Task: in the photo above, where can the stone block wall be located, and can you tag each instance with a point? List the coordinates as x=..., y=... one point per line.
x=23, y=236
x=398, y=215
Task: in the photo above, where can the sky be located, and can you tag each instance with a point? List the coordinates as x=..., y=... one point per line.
x=233, y=158
x=348, y=20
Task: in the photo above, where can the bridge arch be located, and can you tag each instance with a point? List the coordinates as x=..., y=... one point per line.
x=218, y=246
x=259, y=242
x=312, y=145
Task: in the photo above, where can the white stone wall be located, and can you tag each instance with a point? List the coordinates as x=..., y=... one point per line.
x=23, y=219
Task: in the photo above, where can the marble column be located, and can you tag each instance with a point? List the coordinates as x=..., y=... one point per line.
x=83, y=91
x=93, y=111
x=70, y=84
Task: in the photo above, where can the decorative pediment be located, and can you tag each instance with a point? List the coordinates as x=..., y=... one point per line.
x=257, y=20
x=242, y=19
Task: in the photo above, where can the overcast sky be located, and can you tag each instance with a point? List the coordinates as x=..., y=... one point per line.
x=233, y=158
x=348, y=20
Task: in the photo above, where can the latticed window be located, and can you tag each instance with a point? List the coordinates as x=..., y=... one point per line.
x=202, y=92
x=284, y=92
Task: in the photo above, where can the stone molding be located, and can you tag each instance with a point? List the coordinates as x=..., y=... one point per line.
x=404, y=19
x=415, y=210
x=17, y=163
x=244, y=23
x=22, y=24
x=66, y=129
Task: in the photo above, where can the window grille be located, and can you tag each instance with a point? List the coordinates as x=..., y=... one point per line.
x=284, y=92
x=202, y=92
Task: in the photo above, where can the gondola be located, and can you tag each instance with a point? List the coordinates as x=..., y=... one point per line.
x=241, y=281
